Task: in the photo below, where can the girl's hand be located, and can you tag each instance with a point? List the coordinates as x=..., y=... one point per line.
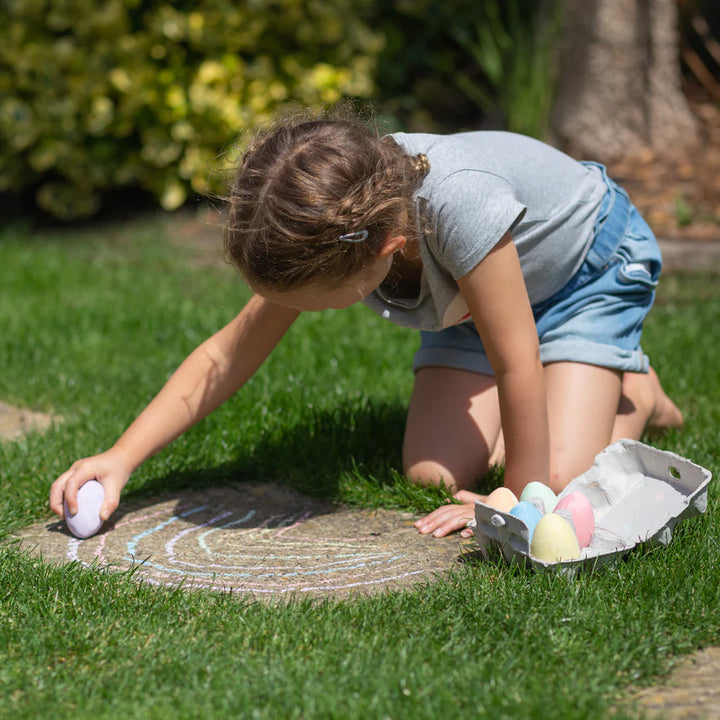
x=451, y=517
x=109, y=469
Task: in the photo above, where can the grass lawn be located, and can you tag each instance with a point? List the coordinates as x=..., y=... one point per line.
x=93, y=322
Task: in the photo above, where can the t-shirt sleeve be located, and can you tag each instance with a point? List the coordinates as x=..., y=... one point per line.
x=472, y=212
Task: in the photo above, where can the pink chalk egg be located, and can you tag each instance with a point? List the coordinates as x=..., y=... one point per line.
x=501, y=499
x=86, y=521
x=582, y=515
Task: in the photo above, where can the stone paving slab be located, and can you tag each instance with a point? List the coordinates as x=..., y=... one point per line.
x=263, y=540
x=15, y=421
x=691, y=692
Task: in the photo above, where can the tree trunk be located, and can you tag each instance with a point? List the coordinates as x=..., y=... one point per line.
x=619, y=87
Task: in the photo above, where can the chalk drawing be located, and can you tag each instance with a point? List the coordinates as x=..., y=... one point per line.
x=259, y=541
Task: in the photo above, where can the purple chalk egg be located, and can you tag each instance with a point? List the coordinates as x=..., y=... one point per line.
x=86, y=521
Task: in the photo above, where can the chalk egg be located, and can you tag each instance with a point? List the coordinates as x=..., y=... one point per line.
x=543, y=492
x=582, y=513
x=530, y=514
x=554, y=540
x=501, y=499
x=86, y=521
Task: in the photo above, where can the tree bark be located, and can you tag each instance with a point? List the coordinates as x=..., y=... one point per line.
x=619, y=85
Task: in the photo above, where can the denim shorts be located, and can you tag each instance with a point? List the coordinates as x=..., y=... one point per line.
x=596, y=317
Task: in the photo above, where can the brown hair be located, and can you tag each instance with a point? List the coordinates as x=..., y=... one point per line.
x=304, y=184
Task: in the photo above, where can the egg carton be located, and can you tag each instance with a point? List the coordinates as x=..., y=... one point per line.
x=638, y=495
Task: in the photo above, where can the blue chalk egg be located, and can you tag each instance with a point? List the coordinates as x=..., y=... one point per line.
x=529, y=513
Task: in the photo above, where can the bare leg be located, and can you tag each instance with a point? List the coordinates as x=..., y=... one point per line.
x=453, y=424
x=459, y=432
x=497, y=456
x=644, y=406
x=588, y=407
x=582, y=405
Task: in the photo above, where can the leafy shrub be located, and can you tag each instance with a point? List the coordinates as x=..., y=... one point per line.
x=144, y=93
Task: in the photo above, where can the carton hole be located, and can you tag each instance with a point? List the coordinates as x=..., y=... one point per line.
x=674, y=472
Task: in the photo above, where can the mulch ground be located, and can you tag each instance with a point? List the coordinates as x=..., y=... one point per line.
x=679, y=195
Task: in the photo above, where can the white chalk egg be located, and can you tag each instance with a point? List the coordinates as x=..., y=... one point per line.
x=86, y=521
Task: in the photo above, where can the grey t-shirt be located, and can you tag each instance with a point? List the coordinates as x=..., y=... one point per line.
x=480, y=186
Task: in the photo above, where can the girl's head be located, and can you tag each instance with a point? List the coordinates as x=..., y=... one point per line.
x=314, y=202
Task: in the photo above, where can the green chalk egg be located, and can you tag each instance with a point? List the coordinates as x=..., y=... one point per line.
x=543, y=492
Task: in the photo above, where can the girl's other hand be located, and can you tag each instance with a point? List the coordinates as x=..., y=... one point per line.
x=108, y=468
x=451, y=517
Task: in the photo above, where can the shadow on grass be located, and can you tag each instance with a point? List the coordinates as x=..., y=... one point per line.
x=312, y=456
x=346, y=453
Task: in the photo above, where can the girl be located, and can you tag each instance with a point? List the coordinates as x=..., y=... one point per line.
x=528, y=274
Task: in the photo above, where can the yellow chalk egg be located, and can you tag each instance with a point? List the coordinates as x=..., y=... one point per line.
x=554, y=539
x=501, y=499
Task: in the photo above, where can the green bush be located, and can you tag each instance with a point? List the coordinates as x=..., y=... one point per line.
x=143, y=93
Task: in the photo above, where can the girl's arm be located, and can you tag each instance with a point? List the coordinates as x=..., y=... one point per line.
x=496, y=295
x=211, y=374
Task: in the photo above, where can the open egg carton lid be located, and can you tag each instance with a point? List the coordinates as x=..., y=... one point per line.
x=638, y=495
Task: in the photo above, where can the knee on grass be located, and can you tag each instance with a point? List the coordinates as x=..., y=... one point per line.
x=431, y=472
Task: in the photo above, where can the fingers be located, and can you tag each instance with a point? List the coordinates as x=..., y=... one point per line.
x=66, y=487
x=78, y=478
x=108, y=469
x=451, y=517
x=428, y=523
x=455, y=522
x=57, y=493
x=467, y=496
x=446, y=519
x=110, y=503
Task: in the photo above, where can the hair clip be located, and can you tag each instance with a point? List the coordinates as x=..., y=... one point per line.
x=354, y=237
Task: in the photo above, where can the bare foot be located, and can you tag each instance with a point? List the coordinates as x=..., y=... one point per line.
x=666, y=413
x=644, y=398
